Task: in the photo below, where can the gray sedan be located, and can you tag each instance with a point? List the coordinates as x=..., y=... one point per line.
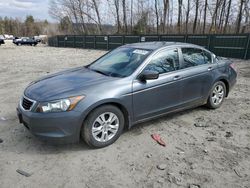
x=131, y=84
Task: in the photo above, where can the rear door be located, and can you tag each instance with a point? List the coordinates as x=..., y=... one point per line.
x=197, y=74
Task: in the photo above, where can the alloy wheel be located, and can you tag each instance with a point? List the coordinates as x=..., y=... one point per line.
x=218, y=94
x=105, y=127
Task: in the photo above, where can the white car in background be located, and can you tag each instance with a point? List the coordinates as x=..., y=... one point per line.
x=41, y=38
x=8, y=37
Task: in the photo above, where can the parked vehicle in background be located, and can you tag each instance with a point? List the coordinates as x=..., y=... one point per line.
x=15, y=39
x=8, y=37
x=37, y=38
x=25, y=41
x=1, y=39
x=43, y=38
x=129, y=85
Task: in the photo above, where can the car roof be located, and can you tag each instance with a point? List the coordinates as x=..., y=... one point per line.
x=159, y=44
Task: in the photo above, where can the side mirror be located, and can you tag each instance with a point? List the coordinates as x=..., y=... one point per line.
x=149, y=75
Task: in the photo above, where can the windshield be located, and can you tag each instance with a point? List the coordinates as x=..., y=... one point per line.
x=120, y=62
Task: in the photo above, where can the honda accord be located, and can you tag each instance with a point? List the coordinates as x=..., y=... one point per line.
x=131, y=84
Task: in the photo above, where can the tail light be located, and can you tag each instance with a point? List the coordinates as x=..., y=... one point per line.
x=233, y=66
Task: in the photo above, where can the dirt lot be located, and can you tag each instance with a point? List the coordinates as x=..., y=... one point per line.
x=214, y=155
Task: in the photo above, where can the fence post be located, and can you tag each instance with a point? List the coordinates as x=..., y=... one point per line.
x=57, y=41
x=65, y=40
x=74, y=38
x=94, y=41
x=123, y=39
x=186, y=38
x=84, y=41
x=209, y=42
x=107, y=42
x=247, y=47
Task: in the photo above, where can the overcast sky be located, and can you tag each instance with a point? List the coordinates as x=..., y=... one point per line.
x=22, y=8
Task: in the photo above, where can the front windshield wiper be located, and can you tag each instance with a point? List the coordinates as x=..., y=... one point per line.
x=101, y=72
x=107, y=73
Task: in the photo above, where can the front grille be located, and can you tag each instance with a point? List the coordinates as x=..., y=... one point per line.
x=27, y=104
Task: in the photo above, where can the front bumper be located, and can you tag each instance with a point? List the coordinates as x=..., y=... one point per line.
x=61, y=127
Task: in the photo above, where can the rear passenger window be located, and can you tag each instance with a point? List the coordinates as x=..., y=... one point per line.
x=165, y=61
x=194, y=56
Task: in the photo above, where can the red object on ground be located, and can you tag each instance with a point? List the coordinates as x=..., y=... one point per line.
x=158, y=139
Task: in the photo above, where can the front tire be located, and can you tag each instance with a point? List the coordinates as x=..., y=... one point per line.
x=103, y=126
x=217, y=95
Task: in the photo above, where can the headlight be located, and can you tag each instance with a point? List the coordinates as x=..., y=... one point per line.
x=61, y=105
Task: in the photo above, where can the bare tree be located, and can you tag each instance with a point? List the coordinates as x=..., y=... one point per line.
x=165, y=12
x=131, y=16
x=222, y=15
x=81, y=13
x=117, y=10
x=227, y=16
x=187, y=16
x=157, y=16
x=72, y=4
x=53, y=10
x=214, y=17
x=247, y=16
x=147, y=16
x=179, y=16
x=98, y=15
x=124, y=16
x=239, y=17
x=205, y=17
x=196, y=15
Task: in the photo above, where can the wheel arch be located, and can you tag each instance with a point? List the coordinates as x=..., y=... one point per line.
x=118, y=104
x=226, y=82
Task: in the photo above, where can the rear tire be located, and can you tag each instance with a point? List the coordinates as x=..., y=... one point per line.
x=217, y=95
x=103, y=126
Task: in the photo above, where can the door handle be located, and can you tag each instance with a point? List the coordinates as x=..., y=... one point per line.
x=177, y=77
x=210, y=68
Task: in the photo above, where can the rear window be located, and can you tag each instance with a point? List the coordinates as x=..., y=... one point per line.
x=194, y=57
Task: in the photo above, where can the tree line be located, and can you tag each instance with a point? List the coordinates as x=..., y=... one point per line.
x=151, y=16
x=29, y=27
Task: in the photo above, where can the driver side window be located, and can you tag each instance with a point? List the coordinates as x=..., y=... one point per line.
x=165, y=61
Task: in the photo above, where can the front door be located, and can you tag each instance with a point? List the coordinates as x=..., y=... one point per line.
x=153, y=97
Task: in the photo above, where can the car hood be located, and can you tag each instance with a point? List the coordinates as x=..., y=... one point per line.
x=65, y=84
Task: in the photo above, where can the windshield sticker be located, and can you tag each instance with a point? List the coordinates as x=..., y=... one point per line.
x=142, y=52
